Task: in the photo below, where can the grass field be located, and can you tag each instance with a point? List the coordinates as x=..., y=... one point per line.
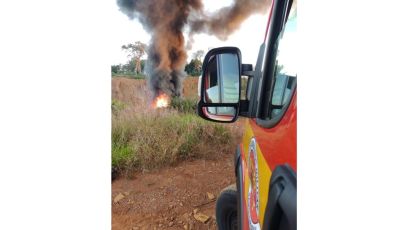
x=144, y=138
x=147, y=142
x=131, y=75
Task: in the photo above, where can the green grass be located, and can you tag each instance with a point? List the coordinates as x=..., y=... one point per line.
x=117, y=106
x=149, y=142
x=131, y=75
x=184, y=105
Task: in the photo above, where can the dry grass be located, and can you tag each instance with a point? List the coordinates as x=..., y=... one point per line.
x=164, y=138
x=191, y=88
x=144, y=138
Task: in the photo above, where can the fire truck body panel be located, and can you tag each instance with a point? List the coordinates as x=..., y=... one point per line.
x=266, y=159
x=274, y=146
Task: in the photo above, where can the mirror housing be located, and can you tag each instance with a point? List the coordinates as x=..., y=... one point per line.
x=220, y=85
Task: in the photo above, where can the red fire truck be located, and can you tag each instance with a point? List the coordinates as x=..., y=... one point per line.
x=265, y=95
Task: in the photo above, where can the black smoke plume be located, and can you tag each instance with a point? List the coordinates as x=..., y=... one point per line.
x=166, y=20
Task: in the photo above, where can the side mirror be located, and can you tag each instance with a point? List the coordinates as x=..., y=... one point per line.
x=220, y=85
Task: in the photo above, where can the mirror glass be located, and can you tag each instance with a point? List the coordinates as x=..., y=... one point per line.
x=219, y=113
x=222, y=79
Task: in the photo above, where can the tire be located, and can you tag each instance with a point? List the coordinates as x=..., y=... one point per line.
x=226, y=209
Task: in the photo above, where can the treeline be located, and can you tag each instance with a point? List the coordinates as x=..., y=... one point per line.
x=135, y=67
x=128, y=68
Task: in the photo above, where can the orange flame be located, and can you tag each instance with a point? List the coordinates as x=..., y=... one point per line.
x=161, y=101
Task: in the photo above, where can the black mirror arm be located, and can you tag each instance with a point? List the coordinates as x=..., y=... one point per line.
x=247, y=70
x=249, y=73
x=243, y=105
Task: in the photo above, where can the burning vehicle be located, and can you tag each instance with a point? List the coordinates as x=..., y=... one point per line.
x=264, y=196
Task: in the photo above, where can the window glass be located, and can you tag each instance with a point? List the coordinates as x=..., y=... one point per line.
x=223, y=78
x=211, y=82
x=222, y=83
x=229, y=74
x=285, y=68
x=286, y=54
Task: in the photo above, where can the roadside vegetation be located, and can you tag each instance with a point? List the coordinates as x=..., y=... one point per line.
x=131, y=75
x=184, y=105
x=144, y=142
x=143, y=138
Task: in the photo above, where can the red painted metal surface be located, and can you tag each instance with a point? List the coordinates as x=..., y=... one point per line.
x=278, y=144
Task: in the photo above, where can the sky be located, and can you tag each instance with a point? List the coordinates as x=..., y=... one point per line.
x=287, y=50
x=247, y=38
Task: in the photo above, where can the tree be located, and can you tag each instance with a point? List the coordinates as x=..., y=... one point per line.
x=198, y=54
x=135, y=51
x=143, y=64
x=115, y=69
x=194, y=67
x=130, y=66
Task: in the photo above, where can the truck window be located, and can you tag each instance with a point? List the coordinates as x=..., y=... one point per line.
x=285, y=67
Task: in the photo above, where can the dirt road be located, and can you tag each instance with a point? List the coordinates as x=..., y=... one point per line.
x=170, y=197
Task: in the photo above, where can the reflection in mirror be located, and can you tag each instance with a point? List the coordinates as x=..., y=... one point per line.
x=244, y=85
x=222, y=79
x=219, y=113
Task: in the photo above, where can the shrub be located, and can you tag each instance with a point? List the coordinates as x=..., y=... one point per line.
x=184, y=105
